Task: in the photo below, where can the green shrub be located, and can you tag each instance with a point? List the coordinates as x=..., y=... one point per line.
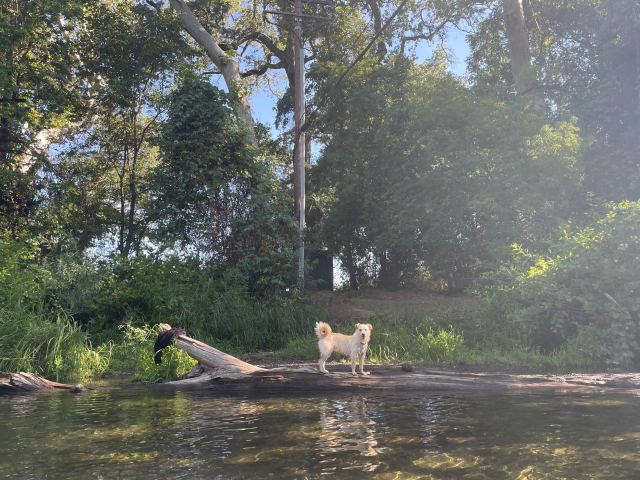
x=213, y=305
x=429, y=345
x=589, y=280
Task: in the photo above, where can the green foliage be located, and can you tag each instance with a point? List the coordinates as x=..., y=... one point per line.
x=134, y=354
x=46, y=310
x=38, y=56
x=584, y=53
x=588, y=280
x=422, y=178
x=212, y=304
x=220, y=196
x=206, y=169
x=100, y=182
x=35, y=336
x=126, y=48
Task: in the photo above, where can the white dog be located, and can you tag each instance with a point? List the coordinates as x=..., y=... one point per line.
x=354, y=346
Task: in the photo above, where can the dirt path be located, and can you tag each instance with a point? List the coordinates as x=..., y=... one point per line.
x=343, y=307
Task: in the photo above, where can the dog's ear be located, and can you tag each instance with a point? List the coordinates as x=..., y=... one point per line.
x=370, y=327
x=357, y=325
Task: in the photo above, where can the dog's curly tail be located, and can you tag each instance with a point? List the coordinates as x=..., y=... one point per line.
x=322, y=329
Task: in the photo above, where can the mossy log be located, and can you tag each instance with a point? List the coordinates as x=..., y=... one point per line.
x=226, y=373
x=22, y=382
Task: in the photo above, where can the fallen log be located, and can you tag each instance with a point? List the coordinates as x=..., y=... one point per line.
x=216, y=362
x=226, y=373
x=23, y=382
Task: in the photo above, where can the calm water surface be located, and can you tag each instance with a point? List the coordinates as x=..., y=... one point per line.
x=142, y=434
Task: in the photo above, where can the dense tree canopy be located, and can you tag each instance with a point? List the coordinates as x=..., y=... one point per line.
x=113, y=139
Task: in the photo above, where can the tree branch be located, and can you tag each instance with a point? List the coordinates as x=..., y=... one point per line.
x=260, y=70
x=265, y=41
x=428, y=36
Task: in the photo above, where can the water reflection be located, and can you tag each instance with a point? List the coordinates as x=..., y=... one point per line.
x=346, y=425
x=136, y=433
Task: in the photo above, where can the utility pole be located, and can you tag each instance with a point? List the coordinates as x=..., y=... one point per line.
x=299, y=148
x=299, y=118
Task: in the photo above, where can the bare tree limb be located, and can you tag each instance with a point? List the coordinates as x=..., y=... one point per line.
x=262, y=69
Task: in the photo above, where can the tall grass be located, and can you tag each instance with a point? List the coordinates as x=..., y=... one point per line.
x=460, y=338
x=50, y=344
x=251, y=325
x=37, y=335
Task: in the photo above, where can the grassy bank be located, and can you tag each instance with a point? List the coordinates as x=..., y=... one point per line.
x=575, y=309
x=55, y=345
x=37, y=338
x=73, y=320
x=457, y=338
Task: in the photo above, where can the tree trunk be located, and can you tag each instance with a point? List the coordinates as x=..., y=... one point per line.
x=390, y=271
x=524, y=74
x=228, y=66
x=133, y=202
x=351, y=270
x=122, y=221
x=381, y=50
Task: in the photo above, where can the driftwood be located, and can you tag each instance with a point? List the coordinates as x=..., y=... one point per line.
x=27, y=382
x=226, y=373
x=214, y=361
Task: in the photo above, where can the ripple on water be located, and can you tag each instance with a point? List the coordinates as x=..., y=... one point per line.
x=136, y=433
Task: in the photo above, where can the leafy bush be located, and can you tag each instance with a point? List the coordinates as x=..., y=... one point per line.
x=589, y=280
x=213, y=305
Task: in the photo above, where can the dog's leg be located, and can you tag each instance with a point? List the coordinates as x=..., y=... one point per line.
x=364, y=354
x=321, y=363
x=353, y=365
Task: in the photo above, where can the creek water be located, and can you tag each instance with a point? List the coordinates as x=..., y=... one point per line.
x=143, y=433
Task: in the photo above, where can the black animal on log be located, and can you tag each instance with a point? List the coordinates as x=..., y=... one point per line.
x=163, y=341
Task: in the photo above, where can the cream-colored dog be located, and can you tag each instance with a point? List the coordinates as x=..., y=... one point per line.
x=354, y=346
